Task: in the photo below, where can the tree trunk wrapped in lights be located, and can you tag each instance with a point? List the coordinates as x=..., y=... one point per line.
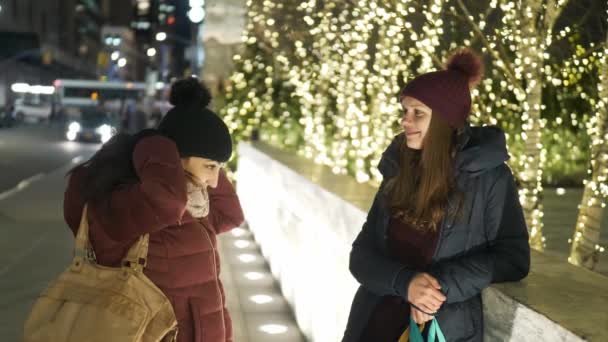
x=317, y=85
x=260, y=97
x=537, y=22
x=243, y=112
x=527, y=35
x=393, y=53
x=585, y=242
x=387, y=67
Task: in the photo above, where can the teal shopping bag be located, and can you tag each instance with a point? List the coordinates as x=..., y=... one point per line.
x=435, y=333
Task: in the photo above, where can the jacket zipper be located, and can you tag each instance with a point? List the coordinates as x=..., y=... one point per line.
x=439, y=240
x=217, y=278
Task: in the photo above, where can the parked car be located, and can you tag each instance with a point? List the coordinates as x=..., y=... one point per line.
x=32, y=109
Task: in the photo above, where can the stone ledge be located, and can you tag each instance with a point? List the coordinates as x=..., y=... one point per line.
x=567, y=297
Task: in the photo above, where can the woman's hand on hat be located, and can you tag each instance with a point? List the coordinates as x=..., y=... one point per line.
x=424, y=292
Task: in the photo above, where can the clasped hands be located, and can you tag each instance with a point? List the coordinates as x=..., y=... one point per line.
x=425, y=297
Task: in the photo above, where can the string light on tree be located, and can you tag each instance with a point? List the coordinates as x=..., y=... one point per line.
x=585, y=243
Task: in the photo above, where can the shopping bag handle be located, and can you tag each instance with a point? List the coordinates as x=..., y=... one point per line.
x=435, y=332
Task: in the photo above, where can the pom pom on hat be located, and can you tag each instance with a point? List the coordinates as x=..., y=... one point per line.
x=467, y=62
x=189, y=91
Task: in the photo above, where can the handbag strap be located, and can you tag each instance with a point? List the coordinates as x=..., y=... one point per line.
x=82, y=246
x=136, y=257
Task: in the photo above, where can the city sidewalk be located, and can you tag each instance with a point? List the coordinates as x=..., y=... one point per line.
x=37, y=245
x=258, y=309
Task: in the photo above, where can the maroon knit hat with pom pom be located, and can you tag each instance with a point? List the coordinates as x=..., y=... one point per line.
x=447, y=92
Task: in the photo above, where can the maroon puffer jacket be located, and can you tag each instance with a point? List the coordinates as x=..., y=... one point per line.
x=182, y=259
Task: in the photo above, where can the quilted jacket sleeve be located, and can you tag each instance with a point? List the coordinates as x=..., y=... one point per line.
x=157, y=201
x=225, y=210
x=506, y=258
x=373, y=270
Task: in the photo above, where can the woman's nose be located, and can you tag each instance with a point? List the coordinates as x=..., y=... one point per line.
x=406, y=120
x=212, y=182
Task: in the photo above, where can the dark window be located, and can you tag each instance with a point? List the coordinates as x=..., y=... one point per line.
x=31, y=12
x=43, y=27
x=103, y=94
x=18, y=44
x=92, y=117
x=62, y=26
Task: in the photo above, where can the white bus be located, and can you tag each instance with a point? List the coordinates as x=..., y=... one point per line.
x=71, y=96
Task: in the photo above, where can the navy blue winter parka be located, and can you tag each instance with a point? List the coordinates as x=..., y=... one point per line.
x=487, y=243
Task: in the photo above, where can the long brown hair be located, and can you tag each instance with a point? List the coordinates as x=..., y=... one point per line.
x=419, y=193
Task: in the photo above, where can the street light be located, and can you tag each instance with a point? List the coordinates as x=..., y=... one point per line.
x=161, y=36
x=151, y=52
x=196, y=14
x=197, y=11
x=143, y=6
x=122, y=62
x=115, y=55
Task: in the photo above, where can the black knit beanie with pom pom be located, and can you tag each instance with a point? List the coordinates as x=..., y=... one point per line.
x=448, y=92
x=195, y=129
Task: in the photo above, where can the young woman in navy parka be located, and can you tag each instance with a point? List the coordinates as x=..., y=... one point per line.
x=446, y=221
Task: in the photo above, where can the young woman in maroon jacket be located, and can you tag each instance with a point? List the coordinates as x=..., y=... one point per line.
x=167, y=183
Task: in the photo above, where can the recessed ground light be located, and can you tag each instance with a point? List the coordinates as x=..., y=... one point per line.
x=247, y=258
x=273, y=329
x=254, y=275
x=242, y=243
x=239, y=232
x=261, y=299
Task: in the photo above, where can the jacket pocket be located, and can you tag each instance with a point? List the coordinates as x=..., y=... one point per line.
x=455, y=240
x=456, y=321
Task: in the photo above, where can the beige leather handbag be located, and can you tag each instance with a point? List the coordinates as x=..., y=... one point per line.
x=93, y=303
